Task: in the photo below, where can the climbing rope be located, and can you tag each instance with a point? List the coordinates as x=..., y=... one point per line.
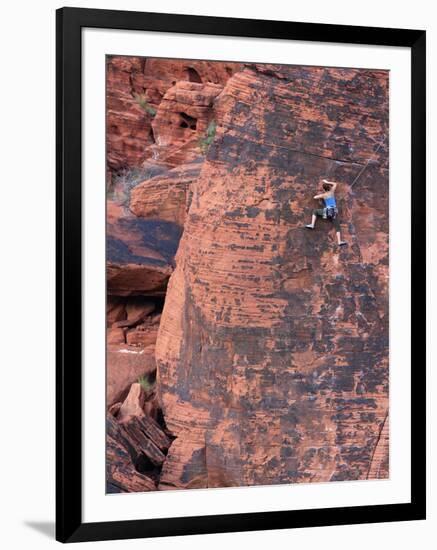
x=367, y=164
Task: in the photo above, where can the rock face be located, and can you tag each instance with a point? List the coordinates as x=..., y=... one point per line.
x=135, y=88
x=125, y=364
x=135, y=451
x=167, y=196
x=139, y=253
x=272, y=351
x=159, y=113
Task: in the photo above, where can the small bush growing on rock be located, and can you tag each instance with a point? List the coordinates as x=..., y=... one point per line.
x=206, y=141
x=144, y=104
x=126, y=180
x=145, y=383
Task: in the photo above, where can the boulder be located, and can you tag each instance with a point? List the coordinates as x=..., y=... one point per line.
x=115, y=335
x=140, y=253
x=139, y=308
x=115, y=310
x=142, y=337
x=128, y=468
x=124, y=365
x=166, y=196
x=133, y=405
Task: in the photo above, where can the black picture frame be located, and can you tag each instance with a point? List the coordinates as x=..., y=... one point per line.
x=69, y=525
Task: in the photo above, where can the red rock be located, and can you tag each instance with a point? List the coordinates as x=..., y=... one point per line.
x=139, y=308
x=160, y=74
x=124, y=365
x=379, y=467
x=121, y=476
x=133, y=405
x=144, y=440
x=115, y=335
x=181, y=121
x=142, y=337
x=151, y=406
x=128, y=124
x=115, y=310
x=127, y=323
x=165, y=196
x=156, y=319
x=134, y=91
x=115, y=408
x=125, y=459
x=131, y=279
x=273, y=345
x=135, y=263
x=153, y=431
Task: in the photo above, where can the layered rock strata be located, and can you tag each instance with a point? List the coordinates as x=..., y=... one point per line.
x=135, y=89
x=273, y=346
x=158, y=113
x=272, y=349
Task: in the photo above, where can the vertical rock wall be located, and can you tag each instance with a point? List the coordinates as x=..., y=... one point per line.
x=158, y=115
x=272, y=351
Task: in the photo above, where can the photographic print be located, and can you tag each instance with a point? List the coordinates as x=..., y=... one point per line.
x=247, y=259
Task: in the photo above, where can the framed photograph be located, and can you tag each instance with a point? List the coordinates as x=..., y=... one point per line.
x=240, y=274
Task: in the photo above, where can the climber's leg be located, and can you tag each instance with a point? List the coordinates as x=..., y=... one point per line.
x=316, y=213
x=338, y=233
x=339, y=241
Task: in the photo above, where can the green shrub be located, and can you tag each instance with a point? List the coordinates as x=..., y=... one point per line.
x=145, y=383
x=208, y=138
x=144, y=104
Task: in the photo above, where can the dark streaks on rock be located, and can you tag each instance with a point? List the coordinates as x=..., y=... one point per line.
x=272, y=352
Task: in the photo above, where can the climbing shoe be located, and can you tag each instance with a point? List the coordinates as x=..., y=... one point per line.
x=342, y=243
x=309, y=226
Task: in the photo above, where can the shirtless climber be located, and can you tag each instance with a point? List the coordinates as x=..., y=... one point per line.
x=330, y=211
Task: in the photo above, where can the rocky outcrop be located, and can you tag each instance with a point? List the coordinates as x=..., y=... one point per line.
x=135, y=89
x=125, y=364
x=181, y=120
x=159, y=115
x=167, y=196
x=139, y=253
x=273, y=346
x=128, y=123
x=135, y=450
x=272, y=349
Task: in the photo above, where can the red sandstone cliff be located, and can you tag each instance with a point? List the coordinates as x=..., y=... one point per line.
x=272, y=348
x=158, y=112
x=140, y=89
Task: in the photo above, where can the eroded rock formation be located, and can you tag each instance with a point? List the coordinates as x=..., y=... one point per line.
x=137, y=86
x=272, y=348
x=158, y=115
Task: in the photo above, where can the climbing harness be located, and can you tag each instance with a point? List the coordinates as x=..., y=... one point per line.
x=330, y=212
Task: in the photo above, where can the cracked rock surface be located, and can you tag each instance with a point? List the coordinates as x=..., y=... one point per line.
x=269, y=344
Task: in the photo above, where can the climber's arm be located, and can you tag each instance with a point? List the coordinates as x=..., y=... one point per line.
x=322, y=195
x=333, y=184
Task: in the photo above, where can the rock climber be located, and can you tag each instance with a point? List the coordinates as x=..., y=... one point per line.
x=329, y=211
